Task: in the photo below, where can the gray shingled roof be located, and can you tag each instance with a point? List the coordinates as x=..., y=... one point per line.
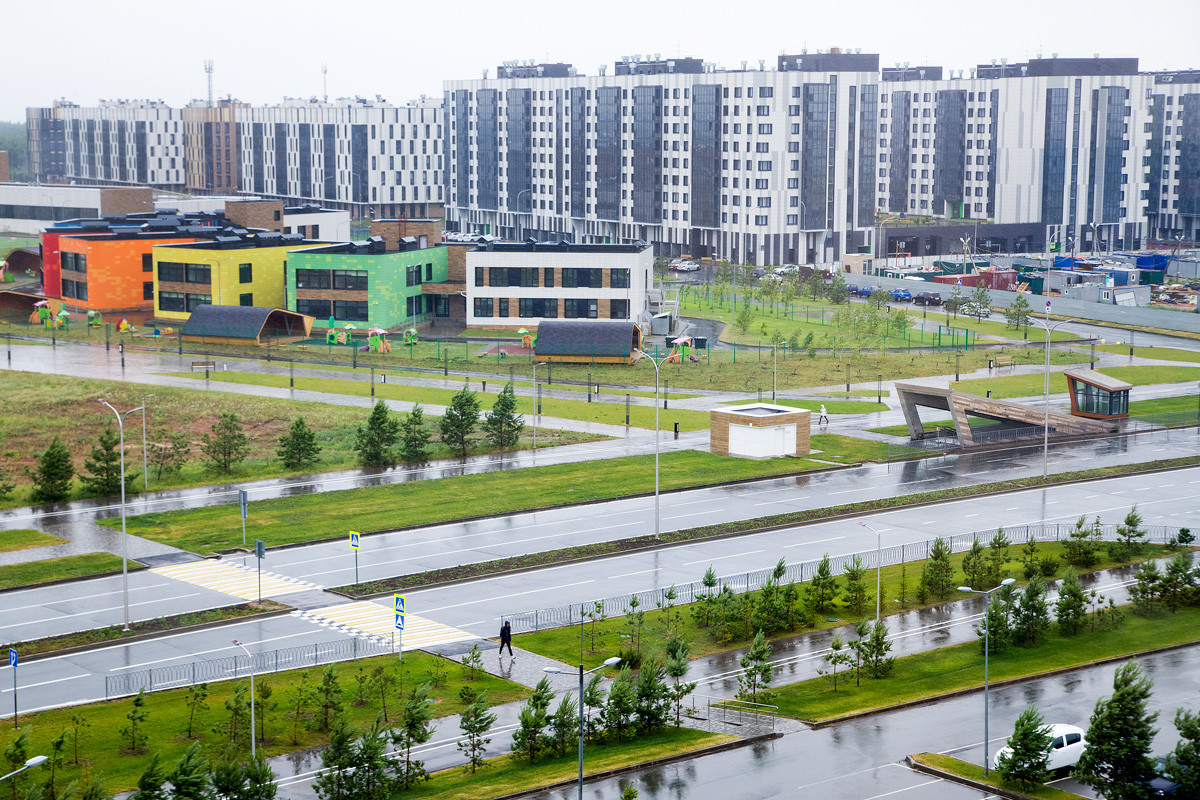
x=239, y=322
x=584, y=337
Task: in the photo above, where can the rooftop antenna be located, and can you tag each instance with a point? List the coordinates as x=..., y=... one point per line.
x=325, y=83
x=208, y=70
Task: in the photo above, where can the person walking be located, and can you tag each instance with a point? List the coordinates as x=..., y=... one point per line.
x=506, y=638
x=824, y=418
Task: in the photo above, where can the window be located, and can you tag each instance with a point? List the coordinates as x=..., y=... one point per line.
x=428, y=272
x=793, y=219
x=441, y=306
x=170, y=301
x=760, y=219
x=245, y=273
x=578, y=278
x=305, y=278
x=194, y=301
x=170, y=272
x=313, y=307
x=503, y=312
x=412, y=275
x=350, y=280
x=764, y=128
x=483, y=306
x=764, y=166
x=197, y=273
x=512, y=276
x=574, y=308
x=479, y=276
x=246, y=299
x=350, y=310
x=148, y=265
x=548, y=277
x=538, y=307
x=619, y=278
x=148, y=290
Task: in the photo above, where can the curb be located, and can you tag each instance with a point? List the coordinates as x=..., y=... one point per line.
x=141, y=637
x=953, y=777
x=817, y=725
x=610, y=773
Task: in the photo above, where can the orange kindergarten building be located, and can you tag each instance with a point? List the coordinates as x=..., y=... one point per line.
x=111, y=271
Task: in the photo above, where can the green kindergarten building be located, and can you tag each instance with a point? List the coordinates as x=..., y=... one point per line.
x=368, y=286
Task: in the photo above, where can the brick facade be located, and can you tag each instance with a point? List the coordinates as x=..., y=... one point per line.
x=266, y=214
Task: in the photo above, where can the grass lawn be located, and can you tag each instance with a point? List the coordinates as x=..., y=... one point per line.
x=507, y=775
x=902, y=430
x=974, y=772
x=46, y=406
x=306, y=517
x=832, y=406
x=1161, y=353
x=604, y=639
x=25, y=538
x=1164, y=405
x=609, y=412
x=102, y=746
x=1033, y=384
x=856, y=393
x=960, y=666
x=53, y=569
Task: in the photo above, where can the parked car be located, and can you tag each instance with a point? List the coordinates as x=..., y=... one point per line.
x=1067, y=744
x=865, y=291
x=852, y=288
x=1161, y=785
x=927, y=299
x=974, y=310
x=688, y=266
x=899, y=295
x=759, y=272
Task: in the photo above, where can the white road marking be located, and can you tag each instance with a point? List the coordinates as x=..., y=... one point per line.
x=721, y=558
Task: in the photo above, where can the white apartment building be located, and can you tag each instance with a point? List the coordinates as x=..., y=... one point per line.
x=376, y=158
x=791, y=164
x=512, y=285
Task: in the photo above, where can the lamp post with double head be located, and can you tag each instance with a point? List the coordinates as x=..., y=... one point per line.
x=1046, y=422
x=987, y=600
x=609, y=662
x=124, y=538
x=537, y=407
x=145, y=460
x=657, y=443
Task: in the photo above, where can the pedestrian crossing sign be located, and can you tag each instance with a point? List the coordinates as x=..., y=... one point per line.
x=354, y=539
x=399, y=598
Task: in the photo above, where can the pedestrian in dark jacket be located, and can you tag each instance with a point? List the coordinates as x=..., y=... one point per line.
x=506, y=638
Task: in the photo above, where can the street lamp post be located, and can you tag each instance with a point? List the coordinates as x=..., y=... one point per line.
x=253, y=733
x=124, y=538
x=608, y=662
x=878, y=565
x=145, y=461
x=32, y=762
x=657, y=444
x=1046, y=422
x=987, y=600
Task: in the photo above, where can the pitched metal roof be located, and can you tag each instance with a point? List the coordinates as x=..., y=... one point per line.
x=1098, y=379
x=239, y=322
x=584, y=337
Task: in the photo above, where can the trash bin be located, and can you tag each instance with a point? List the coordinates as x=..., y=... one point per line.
x=700, y=342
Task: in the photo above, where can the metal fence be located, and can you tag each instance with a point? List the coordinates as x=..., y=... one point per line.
x=239, y=666
x=560, y=616
x=732, y=711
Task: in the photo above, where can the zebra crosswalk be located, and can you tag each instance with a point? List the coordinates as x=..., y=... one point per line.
x=375, y=619
x=233, y=579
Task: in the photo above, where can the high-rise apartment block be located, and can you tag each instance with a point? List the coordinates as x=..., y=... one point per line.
x=792, y=164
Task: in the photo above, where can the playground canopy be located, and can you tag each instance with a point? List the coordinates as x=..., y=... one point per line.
x=19, y=305
x=587, y=340
x=246, y=324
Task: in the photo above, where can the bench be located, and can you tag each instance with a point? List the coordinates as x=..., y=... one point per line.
x=1003, y=361
x=206, y=365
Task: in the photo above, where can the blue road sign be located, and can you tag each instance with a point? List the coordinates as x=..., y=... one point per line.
x=399, y=622
x=354, y=539
x=399, y=598
x=12, y=657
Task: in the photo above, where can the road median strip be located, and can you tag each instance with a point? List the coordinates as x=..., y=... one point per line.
x=959, y=771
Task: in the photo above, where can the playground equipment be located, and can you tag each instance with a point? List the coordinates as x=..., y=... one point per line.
x=681, y=348
x=125, y=327
x=410, y=336
x=94, y=320
x=377, y=341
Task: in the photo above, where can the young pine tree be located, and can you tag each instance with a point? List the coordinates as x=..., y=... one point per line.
x=475, y=722
x=414, y=437
x=103, y=467
x=1025, y=764
x=52, y=476
x=1117, y=760
x=298, y=447
x=503, y=425
x=373, y=441
x=227, y=447
x=460, y=420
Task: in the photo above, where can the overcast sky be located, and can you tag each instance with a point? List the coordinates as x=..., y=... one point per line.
x=264, y=49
